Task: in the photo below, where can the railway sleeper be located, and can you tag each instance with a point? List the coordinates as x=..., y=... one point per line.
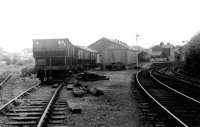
x=61, y=102
x=160, y=124
x=39, y=100
x=32, y=106
x=59, y=109
x=57, y=117
x=22, y=123
x=51, y=122
x=27, y=110
x=29, y=118
x=26, y=114
x=57, y=113
x=59, y=106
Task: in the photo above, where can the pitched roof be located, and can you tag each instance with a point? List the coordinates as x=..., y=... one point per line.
x=87, y=49
x=113, y=41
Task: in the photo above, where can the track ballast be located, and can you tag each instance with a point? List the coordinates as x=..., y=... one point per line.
x=180, y=109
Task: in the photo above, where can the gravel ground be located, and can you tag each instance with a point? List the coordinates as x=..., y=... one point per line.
x=14, y=86
x=4, y=75
x=115, y=108
x=13, y=68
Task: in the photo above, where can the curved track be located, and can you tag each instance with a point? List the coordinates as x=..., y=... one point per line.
x=180, y=109
x=185, y=77
x=187, y=87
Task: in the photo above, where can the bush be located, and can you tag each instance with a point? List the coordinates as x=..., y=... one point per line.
x=192, y=55
x=27, y=71
x=143, y=57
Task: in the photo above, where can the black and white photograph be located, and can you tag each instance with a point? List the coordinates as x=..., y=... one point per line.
x=99, y=63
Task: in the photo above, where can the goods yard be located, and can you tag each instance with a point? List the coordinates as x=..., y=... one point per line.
x=170, y=93
x=68, y=89
x=112, y=108
x=99, y=63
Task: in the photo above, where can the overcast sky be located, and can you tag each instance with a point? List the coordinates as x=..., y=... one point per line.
x=85, y=21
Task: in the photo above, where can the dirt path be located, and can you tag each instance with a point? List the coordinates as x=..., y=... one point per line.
x=115, y=108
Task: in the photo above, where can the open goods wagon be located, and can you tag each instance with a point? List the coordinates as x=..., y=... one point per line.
x=57, y=58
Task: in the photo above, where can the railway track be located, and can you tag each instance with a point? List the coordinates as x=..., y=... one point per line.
x=36, y=107
x=179, y=109
x=4, y=80
x=148, y=114
x=186, y=77
x=187, y=87
x=171, y=72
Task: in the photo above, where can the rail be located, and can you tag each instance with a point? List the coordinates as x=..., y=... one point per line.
x=44, y=115
x=5, y=80
x=186, y=96
x=20, y=95
x=186, y=78
x=179, y=122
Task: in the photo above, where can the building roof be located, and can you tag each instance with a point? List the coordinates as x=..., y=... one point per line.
x=160, y=47
x=87, y=49
x=109, y=42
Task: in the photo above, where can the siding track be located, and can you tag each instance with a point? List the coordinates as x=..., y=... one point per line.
x=4, y=80
x=36, y=109
x=180, y=109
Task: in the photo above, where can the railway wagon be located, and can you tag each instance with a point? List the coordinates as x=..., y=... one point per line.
x=87, y=57
x=56, y=58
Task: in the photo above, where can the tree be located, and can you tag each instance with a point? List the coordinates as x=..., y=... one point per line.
x=192, y=55
x=143, y=57
x=162, y=44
